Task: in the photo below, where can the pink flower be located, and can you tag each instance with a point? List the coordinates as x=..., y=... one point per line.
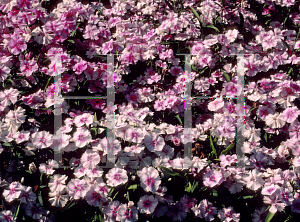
x=150, y=179
x=17, y=45
x=127, y=213
x=13, y=192
x=176, y=70
x=41, y=139
x=93, y=196
x=80, y=67
x=78, y=188
x=28, y=67
x=135, y=135
x=254, y=181
x=231, y=89
x=154, y=142
x=9, y=96
x=91, y=32
x=216, y=104
x=90, y=159
x=275, y=121
x=82, y=137
x=59, y=198
x=4, y=71
x=228, y=215
x=213, y=178
x=205, y=210
x=57, y=182
x=48, y=168
x=290, y=114
x=294, y=130
x=84, y=119
x=6, y=216
x=147, y=204
x=116, y=176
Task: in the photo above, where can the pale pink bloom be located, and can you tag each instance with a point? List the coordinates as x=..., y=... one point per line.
x=274, y=201
x=60, y=142
x=82, y=137
x=59, y=198
x=176, y=70
x=83, y=119
x=127, y=213
x=275, y=120
x=21, y=136
x=80, y=171
x=17, y=44
x=154, y=142
x=147, y=204
x=150, y=179
x=7, y=216
x=27, y=196
x=93, y=196
x=95, y=172
x=294, y=130
x=216, y=104
x=57, y=182
x=116, y=176
x=252, y=134
x=231, y=89
x=290, y=114
x=14, y=191
x=213, y=178
x=4, y=71
x=228, y=215
x=296, y=161
x=91, y=32
x=135, y=135
x=9, y=96
x=78, y=188
x=78, y=68
x=205, y=209
x=269, y=190
x=111, y=210
x=48, y=168
x=90, y=159
x=41, y=139
x=254, y=181
x=227, y=160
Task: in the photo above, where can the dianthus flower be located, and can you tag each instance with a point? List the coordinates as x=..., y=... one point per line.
x=116, y=176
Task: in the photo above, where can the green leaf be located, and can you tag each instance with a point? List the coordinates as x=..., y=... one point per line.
x=213, y=27
x=196, y=14
x=17, y=210
x=95, y=117
x=269, y=217
x=215, y=193
x=6, y=144
x=171, y=172
x=132, y=187
x=72, y=41
x=214, y=151
x=115, y=195
x=71, y=204
x=178, y=117
x=226, y=77
x=227, y=149
x=43, y=186
x=28, y=171
x=40, y=198
x=266, y=137
x=248, y=197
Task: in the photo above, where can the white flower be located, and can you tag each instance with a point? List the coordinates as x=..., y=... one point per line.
x=154, y=142
x=13, y=192
x=253, y=134
x=90, y=159
x=147, y=204
x=116, y=176
x=274, y=121
x=150, y=179
x=57, y=182
x=216, y=104
x=59, y=198
x=78, y=188
x=254, y=181
x=85, y=118
x=48, y=169
x=82, y=137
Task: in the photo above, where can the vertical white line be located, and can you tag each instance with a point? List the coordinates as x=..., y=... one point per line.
x=110, y=115
x=58, y=108
x=240, y=110
x=187, y=111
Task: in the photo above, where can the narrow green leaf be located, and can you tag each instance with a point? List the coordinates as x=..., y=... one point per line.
x=196, y=14
x=115, y=195
x=269, y=217
x=214, y=151
x=132, y=187
x=72, y=41
x=226, y=77
x=178, y=117
x=212, y=27
x=17, y=210
x=248, y=197
x=40, y=198
x=215, y=193
x=71, y=204
x=170, y=172
x=227, y=149
x=95, y=117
